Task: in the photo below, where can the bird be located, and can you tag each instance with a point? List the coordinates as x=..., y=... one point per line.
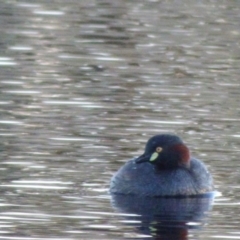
x=165, y=169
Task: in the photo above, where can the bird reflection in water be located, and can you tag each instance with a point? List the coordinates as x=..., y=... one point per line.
x=164, y=218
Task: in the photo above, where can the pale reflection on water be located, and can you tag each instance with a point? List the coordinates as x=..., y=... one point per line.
x=84, y=84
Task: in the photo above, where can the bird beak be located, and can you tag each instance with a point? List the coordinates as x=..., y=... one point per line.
x=148, y=158
x=142, y=158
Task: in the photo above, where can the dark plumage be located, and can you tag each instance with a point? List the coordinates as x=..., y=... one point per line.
x=165, y=169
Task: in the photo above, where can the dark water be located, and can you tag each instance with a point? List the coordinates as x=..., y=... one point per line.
x=84, y=84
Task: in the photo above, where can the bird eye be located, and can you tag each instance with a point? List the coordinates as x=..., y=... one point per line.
x=158, y=149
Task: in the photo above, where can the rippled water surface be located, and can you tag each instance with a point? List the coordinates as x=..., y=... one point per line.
x=84, y=84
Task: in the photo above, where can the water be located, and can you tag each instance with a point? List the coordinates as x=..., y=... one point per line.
x=84, y=84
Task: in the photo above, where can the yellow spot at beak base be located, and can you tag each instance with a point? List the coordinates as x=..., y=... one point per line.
x=153, y=157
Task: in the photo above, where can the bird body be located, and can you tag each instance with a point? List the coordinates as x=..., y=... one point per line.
x=165, y=169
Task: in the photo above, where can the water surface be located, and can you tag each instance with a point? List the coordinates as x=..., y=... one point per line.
x=84, y=84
